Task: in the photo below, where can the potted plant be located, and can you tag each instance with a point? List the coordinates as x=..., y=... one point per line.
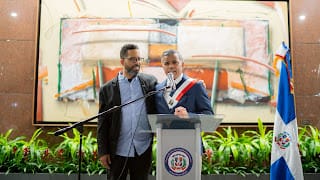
x=228, y=154
x=33, y=158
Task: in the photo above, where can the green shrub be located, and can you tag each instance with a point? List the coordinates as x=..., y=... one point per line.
x=34, y=156
x=225, y=152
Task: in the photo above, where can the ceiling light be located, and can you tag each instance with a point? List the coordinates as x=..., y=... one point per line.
x=13, y=14
x=302, y=17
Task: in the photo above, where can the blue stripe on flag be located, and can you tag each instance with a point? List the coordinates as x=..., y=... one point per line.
x=279, y=170
x=285, y=105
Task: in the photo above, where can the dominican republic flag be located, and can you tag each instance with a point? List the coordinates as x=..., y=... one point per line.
x=285, y=157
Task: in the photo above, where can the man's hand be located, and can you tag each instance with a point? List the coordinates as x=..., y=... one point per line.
x=181, y=112
x=105, y=161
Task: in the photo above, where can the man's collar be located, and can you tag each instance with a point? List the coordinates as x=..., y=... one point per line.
x=178, y=79
x=122, y=77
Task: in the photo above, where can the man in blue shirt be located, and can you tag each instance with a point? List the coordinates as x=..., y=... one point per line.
x=123, y=143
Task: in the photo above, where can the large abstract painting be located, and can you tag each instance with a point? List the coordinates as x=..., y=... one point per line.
x=232, y=54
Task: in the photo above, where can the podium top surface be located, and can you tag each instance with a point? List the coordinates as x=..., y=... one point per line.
x=208, y=123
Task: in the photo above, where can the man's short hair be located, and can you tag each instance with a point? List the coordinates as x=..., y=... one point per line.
x=125, y=48
x=171, y=52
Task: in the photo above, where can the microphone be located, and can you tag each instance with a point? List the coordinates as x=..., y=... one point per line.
x=171, y=83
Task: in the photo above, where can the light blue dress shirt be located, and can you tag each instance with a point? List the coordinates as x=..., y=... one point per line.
x=133, y=136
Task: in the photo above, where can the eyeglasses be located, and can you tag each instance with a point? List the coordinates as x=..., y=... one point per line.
x=135, y=59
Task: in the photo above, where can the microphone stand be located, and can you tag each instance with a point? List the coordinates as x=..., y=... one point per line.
x=79, y=125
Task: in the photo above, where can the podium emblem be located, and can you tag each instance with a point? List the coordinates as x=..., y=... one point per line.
x=178, y=162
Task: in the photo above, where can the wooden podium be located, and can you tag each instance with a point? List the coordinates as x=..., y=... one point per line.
x=179, y=148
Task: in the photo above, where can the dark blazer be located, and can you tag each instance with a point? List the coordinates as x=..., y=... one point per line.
x=196, y=100
x=109, y=124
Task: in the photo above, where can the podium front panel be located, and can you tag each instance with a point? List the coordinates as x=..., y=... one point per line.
x=179, y=144
x=178, y=154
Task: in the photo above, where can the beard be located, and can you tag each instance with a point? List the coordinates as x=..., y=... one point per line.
x=133, y=70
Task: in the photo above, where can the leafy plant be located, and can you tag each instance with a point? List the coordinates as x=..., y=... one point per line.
x=248, y=152
x=8, y=150
x=233, y=150
x=262, y=143
x=34, y=156
x=309, y=146
x=225, y=152
x=154, y=157
x=67, y=154
x=25, y=156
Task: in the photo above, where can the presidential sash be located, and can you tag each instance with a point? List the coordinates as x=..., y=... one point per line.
x=173, y=100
